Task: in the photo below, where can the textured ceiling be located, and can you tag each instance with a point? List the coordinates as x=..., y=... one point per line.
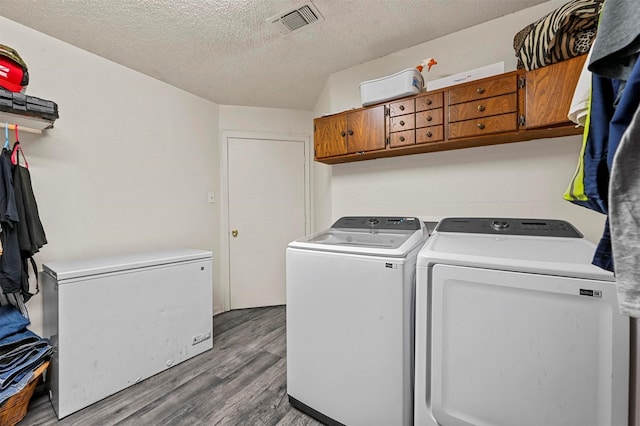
x=224, y=51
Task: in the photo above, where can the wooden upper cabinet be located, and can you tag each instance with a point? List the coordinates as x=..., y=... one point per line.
x=511, y=107
x=330, y=136
x=349, y=133
x=365, y=130
x=549, y=92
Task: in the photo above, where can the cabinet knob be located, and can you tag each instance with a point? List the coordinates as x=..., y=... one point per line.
x=481, y=108
x=480, y=126
x=401, y=138
x=350, y=132
x=480, y=90
x=401, y=123
x=343, y=134
x=429, y=101
x=429, y=134
x=401, y=107
x=429, y=118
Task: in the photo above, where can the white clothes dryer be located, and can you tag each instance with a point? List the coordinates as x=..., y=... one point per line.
x=350, y=293
x=514, y=326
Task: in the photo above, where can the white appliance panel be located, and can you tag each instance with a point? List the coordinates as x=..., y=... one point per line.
x=349, y=335
x=569, y=257
x=114, y=329
x=548, y=345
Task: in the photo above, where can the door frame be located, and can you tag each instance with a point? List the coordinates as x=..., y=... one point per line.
x=225, y=230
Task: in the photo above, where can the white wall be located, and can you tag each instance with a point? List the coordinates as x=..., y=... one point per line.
x=129, y=163
x=265, y=120
x=525, y=179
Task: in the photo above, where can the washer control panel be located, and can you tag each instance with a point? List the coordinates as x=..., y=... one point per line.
x=509, y=226
x=378, y=222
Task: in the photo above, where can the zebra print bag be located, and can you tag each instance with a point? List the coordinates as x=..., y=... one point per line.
x=562, y=34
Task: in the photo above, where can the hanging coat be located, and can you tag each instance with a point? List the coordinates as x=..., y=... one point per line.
x=10, y=261
x=31, y=236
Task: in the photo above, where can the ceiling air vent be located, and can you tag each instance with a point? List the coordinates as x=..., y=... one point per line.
x=297, y=19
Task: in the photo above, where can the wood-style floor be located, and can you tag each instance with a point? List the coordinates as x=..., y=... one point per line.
x=241, y=381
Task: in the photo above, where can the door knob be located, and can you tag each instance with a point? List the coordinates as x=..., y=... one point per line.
x=234, y=233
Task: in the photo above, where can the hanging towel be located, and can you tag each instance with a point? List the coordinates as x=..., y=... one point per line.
x=624, y=216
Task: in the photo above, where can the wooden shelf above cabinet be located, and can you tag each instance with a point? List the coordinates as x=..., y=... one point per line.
x=512, y=107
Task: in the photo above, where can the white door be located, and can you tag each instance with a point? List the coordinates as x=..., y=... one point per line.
x=267, y=210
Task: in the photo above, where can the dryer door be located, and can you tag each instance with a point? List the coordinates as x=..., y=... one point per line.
x=514, y=348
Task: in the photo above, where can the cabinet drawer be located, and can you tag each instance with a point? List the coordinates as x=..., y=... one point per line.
x=402, y=123
x=429, y=118
x=483, y=89
x=484, y=107
x=402, y=138
x=400, y=108
x=429, y=134
x=426, y=102
x=484, y=126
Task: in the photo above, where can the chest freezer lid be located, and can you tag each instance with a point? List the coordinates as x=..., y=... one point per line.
x=66, y=270
x=548, y=247
x=385, y=236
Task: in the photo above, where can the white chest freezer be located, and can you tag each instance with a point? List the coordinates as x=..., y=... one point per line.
x=116, y=321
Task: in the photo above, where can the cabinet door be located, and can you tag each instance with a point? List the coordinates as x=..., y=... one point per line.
x=365, y=130
x=549, y=91
x=329, y=136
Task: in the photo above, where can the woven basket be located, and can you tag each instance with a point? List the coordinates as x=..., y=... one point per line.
x=15, y=408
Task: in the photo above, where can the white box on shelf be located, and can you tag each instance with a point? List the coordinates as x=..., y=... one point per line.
x=404, y=83
x=466, y=76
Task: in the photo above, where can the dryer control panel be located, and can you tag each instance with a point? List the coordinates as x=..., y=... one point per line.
x=509, y=226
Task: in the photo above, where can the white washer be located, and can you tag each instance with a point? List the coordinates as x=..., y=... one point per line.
x=514, y=326
x=349, y=321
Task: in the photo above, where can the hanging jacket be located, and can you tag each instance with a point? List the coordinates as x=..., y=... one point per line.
x=618, y=39
x=10, y=261
x=588, y=188
x=31, y=235
x=613, y=103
